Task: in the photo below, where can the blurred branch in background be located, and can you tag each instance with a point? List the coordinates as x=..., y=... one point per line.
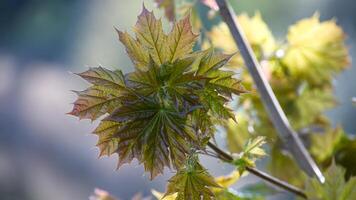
x=268, y=98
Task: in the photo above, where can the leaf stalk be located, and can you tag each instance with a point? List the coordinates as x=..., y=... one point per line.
x=224, y=156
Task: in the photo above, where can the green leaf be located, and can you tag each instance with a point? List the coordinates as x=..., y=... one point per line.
x=108, y=143
x=251, y=151
x=256, y=32
x=316, y=59
x=181, y=40
x=192, y=182
x=212, y=61
x=150, y=34
x=152, y=134
x=216, y=104
x=95, y=102
x=139, y=56
x=308, y=106
x=345, y=155
x=104, y=77
x=225, y=194
x=253, y=147
x=162, y=110
x=282, y=166
x=102, y=97
x=224, y=82
x=237, y=134
x=324, y=145
x=334, y=188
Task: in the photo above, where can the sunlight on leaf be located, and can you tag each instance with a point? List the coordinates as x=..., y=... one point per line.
x=256, y=32
x=314, y=58
x=251, y=152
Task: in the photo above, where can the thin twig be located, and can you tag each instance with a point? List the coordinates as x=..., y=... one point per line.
x=273, y=108
x=228, y=158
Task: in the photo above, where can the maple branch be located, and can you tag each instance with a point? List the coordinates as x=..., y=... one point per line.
x=282, y=184
x=274, y=110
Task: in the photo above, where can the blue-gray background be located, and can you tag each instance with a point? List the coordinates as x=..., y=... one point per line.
x=45, y=154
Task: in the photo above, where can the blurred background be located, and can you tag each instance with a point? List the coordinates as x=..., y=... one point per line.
x=46, y=154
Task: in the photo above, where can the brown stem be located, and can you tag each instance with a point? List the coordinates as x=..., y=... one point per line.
x=282, y=184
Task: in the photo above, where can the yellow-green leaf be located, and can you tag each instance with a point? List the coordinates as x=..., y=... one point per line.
x=150, y=34
x=253, y=146
x=237, y=133
x=283, y=166
x=181, y=40
x=108, y=142
x=323, y=145
x=316, y=49
x=104, y=77
x=139, y=55
x=256, y=32
x=95, y=102
x=334, y=188
x=192, y=182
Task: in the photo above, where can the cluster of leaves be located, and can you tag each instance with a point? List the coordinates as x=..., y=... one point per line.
x=193, y=181
x=164, y=111
x=300, y=72
x=335, y=186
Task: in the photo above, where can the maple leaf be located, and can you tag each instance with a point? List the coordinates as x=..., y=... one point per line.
x=251, y=151
x=316, y=59
x=165, y=107
x=284, y=167
x=324, y=145
x=237, y=134
x=308, y=106
x=151, y=134
x=107, y=143
x=334, y=188
x=256, y=32
x=102, y=97
x=192, y=182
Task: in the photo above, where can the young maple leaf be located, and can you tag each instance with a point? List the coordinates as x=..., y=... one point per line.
x=256, y=31
x=334, y=188
x=316, y=59
x=165, y=107
x=192, y=182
